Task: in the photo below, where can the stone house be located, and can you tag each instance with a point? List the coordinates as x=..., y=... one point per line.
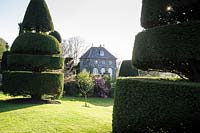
x=97, y=60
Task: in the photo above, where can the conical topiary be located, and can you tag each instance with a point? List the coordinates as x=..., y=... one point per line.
x=37, y=17
x=33, y=65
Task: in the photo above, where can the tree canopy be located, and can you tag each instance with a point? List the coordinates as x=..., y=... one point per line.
x=3, y=46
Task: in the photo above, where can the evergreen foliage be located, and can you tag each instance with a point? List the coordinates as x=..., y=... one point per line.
x=17, y=83
x=4, y=66
x=172, y=48
x=36, y=43
x=170, y=41
x=127, y=69
x=33, y=66
x=36, y=63
x=56, y=34
x=150, y=106
x=37, y=17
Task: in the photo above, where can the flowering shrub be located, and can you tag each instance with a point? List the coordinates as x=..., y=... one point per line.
x=101, y=87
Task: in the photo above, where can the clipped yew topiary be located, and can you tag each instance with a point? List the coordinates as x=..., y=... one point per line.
x=127, y=69
x=37, y=17
x=169, y=43
x=38, y=43
x=34, y=64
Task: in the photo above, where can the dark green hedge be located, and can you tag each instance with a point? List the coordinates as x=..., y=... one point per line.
x=36, y=43
x=71, y=89
x=169, y=48
x=37, y=17
x=154, y=13
x=57, y=35
x=142, y=105
x=24, y=62
x=4, y=66
x=27, y=83
x=127, y=69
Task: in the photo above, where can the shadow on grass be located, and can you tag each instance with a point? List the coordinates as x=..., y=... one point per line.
x=105, y=102
x=21, y=103
x=6, y=106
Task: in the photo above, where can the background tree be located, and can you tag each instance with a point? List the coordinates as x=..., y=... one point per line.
x=85, y=84
x=3, y=47
x=74, y=47
x=170, y=41
x=33, y=65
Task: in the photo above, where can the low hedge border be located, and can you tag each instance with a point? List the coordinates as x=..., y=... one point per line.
x=149, y=105
x=24, y=62
x=36, y=43
x=28, y=83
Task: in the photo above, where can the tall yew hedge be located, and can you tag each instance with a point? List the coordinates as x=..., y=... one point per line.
x=34, y=64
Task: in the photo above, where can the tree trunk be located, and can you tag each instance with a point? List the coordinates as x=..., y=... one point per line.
x=85, y=100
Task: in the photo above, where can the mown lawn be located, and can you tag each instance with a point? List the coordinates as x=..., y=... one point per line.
x=69, y=117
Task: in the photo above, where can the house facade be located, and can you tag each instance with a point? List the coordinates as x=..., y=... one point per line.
x=98, y=60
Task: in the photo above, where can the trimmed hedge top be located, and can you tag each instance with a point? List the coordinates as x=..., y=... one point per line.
x=36, y=43
x=37, y=17
x=163, y=12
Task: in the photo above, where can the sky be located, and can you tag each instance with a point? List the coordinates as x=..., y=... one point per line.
x=112, y=23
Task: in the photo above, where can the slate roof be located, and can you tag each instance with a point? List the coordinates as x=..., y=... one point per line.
x=94, y=53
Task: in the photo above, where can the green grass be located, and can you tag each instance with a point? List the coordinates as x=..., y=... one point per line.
x=69, y=117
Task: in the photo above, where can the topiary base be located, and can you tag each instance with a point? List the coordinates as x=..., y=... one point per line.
x=147, y=105
x=34, y=84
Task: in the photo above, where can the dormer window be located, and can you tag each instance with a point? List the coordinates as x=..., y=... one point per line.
x=101, y=53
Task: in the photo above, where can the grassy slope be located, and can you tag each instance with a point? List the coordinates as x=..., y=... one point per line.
x=68, y=117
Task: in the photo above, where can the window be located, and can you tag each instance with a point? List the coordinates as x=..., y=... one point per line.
x=96, y=62
x=103, y=62
x=95, y=71
x=110, y=62
x=103, y=70
x=110, y=71
x=101, y=53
